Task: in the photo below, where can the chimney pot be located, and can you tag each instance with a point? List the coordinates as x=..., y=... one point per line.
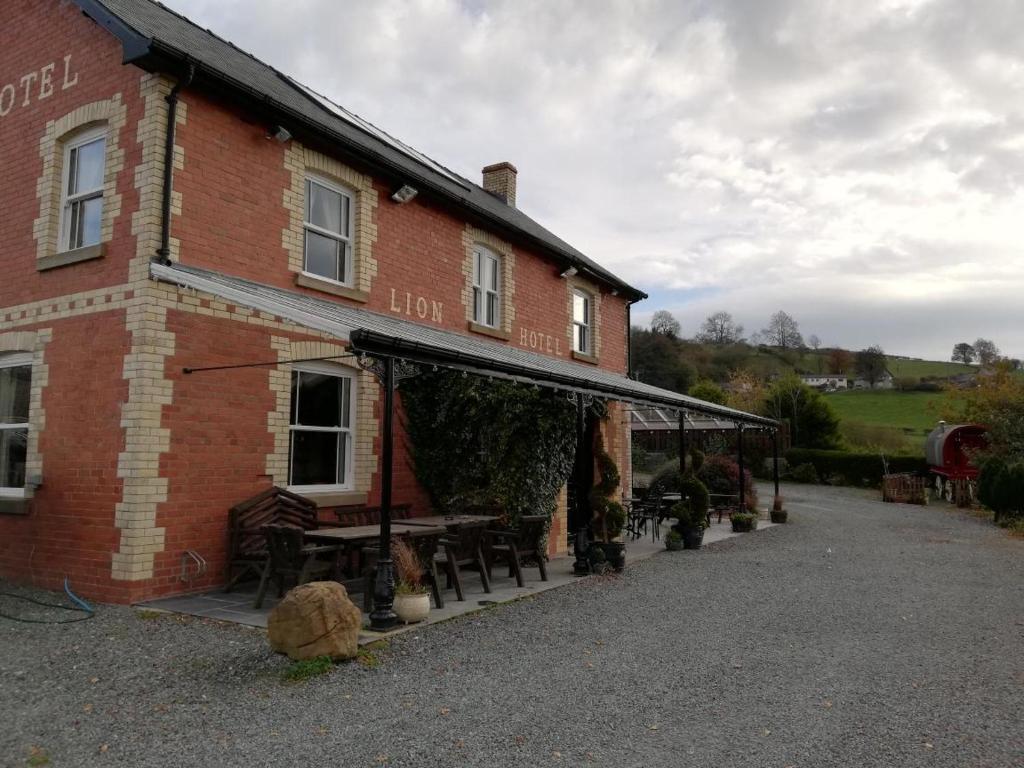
x=500, y=181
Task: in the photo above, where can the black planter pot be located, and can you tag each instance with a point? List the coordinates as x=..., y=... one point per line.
x=779, y=515
x=615, y=554
x=693, y=538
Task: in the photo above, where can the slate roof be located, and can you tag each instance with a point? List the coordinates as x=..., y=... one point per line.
x=420, y=341
x=157, y=38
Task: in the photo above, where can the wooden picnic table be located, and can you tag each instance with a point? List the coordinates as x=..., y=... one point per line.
x=357, y=533
x=450, y=522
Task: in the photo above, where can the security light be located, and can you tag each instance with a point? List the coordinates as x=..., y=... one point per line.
x=405, y=194
x=280, y=133
x=569, y=272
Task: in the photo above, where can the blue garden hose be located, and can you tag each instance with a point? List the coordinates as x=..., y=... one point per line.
x=79, y=605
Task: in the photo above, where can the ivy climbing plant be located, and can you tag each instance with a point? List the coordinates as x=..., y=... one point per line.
x=475, y=441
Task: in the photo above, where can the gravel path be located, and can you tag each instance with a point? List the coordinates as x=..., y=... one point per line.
x=860, y=635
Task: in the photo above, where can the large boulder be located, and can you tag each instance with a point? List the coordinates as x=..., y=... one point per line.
x=316, y=619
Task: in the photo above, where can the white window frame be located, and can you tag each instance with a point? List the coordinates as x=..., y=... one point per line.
x=587, y=325
x=345, y=239
x=486, y=265
x=17, y=360
x=66, y=199
x=342, y=373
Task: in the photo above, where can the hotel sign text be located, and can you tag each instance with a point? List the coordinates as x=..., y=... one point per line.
x=38, y=84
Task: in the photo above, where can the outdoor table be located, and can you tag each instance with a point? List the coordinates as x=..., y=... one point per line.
x=451, y=522
x=721, y=502
x=360, y=533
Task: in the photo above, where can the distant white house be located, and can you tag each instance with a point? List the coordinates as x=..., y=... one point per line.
x=885, y=381
x=826, y=382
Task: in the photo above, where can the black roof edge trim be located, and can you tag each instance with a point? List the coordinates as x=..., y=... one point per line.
x=134, y=45
x=369, y=342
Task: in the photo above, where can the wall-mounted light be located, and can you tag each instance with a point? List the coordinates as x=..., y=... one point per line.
x=280, y=133
x=404, y=194
x=569, y=272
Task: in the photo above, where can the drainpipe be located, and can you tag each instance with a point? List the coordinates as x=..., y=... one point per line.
x=629, y=339
x=164, y=251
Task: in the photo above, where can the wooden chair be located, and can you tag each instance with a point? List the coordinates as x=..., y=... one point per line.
x=513, y=546
x=290, y=558
x=426, y=548
x=247, y=546
x=462, y=548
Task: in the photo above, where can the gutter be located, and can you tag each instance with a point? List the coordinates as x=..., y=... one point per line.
x=164, y=251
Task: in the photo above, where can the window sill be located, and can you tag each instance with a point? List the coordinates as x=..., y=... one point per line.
x=333, y=498
x=13, y=505
x=54, y=260
x=486, y=330
x=584, y=358
x=317, y=283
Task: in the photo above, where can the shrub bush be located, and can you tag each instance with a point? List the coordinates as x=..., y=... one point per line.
x=857, y=468
x=692, y=511
x=668, y=480
x=721, y=475
x=805, y=473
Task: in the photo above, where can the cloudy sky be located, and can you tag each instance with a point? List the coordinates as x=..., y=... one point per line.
x=858, y=164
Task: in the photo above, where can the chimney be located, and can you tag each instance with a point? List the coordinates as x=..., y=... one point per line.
x=500, y=181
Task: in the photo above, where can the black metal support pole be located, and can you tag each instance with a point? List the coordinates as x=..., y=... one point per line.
x=382, y=617
x=739, y=456
x=775, y=463
x=682, y=442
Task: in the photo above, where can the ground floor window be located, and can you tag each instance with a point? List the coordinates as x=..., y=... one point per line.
x=321, y=428
x=15, y=388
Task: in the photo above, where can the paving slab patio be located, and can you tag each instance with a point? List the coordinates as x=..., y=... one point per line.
x=236, y=607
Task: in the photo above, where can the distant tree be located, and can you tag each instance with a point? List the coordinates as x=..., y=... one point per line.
x=812, y=422
x=707, y=390
x=997, y=401
x=986, y=351
x=719, y=328
x=783, y=332
x=664, y=323
x=839, y=361
x=746, y=391
x=657, y=360
x=963, y=353
x=815, y=343
x=871, y=365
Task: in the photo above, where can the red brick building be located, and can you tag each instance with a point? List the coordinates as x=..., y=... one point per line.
x=282, y=225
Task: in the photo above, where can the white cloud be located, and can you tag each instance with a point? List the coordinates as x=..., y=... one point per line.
x=860, y=165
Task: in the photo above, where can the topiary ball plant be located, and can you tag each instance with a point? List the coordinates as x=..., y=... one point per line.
x=692, y=510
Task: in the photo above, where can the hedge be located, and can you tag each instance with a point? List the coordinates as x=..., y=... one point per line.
x=854, y=468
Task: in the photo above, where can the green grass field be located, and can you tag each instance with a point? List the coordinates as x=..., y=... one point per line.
x=887, y=408
x=921, y=368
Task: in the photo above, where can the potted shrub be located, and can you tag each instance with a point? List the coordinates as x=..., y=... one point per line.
x=609, y=516
x=778, y=514
x=691, y=512
x=673, y=540
x=743, y=522
x=412, y=600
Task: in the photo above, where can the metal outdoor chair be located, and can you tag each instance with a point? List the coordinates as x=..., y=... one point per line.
x=289, y=558
x=464, y=547
x=524, y=542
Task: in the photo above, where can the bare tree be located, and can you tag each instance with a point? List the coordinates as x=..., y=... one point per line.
x=719, y=328
x=783, y=332
x=815, y=343
x=665, y=323
x=963, y=353
x=986, y=351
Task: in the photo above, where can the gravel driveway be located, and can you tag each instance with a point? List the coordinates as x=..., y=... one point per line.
x=860, y=635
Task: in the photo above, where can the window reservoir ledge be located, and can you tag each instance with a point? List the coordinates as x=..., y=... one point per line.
x=63, y=259
x=307, y=280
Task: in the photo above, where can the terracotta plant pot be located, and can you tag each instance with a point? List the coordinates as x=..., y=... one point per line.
x=412, y=608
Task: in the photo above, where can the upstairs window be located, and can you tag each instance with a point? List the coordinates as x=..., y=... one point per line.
x=582, y=341
x=321, y=428
x=82, y=196
x=328, y=231
x=486, y=285
x=15, y=387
